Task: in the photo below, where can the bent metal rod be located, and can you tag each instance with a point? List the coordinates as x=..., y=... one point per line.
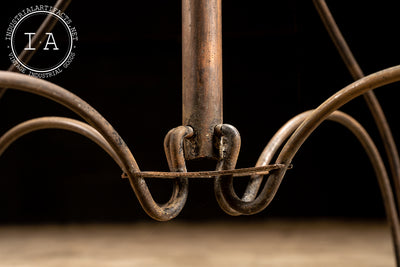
x=203, y=133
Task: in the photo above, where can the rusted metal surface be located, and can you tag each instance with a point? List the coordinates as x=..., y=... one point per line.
x=312, y=121
x=62, y=96
x=173, y=146
x=342, y=97
x=203, y=134
x=230, y=201
x=251, y=204
x=270, y=150
x=88, y=131
x=84, y=110
x=202, y=74
x=37, y=40
x=242, y=172
x=370, y=98
x=229, y=146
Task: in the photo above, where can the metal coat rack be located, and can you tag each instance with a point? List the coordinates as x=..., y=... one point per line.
x=203, y=134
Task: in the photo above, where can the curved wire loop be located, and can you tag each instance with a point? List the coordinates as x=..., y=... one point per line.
x=369, y=97
x=68, y=124
x=270, y=151
x=173, y=146
x=53, y=92
x=233, y=204
x=342, y=97
x=229, y=146
x=310, y=123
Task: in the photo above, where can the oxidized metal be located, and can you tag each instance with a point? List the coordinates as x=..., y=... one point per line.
x=202, y=74
x=203, y=134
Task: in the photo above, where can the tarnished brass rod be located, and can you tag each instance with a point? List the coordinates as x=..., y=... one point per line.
x=48, y=24
x=201, y=74
x=370, y=98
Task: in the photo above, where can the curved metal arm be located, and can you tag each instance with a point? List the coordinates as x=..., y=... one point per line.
x=342, y=97
x=345, y=95
x=303, y=132
x=56, y=93
x=370, y=98
x=249, y=204
x=270, y=151
x=62, y=123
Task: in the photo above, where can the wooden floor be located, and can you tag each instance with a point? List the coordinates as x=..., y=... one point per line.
x=272, y=243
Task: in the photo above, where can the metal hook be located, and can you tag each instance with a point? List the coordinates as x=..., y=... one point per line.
x=174, y=151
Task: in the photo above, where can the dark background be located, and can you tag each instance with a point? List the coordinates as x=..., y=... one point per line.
x=278, y=61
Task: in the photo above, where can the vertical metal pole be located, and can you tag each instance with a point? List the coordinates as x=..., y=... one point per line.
x=202, y=74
